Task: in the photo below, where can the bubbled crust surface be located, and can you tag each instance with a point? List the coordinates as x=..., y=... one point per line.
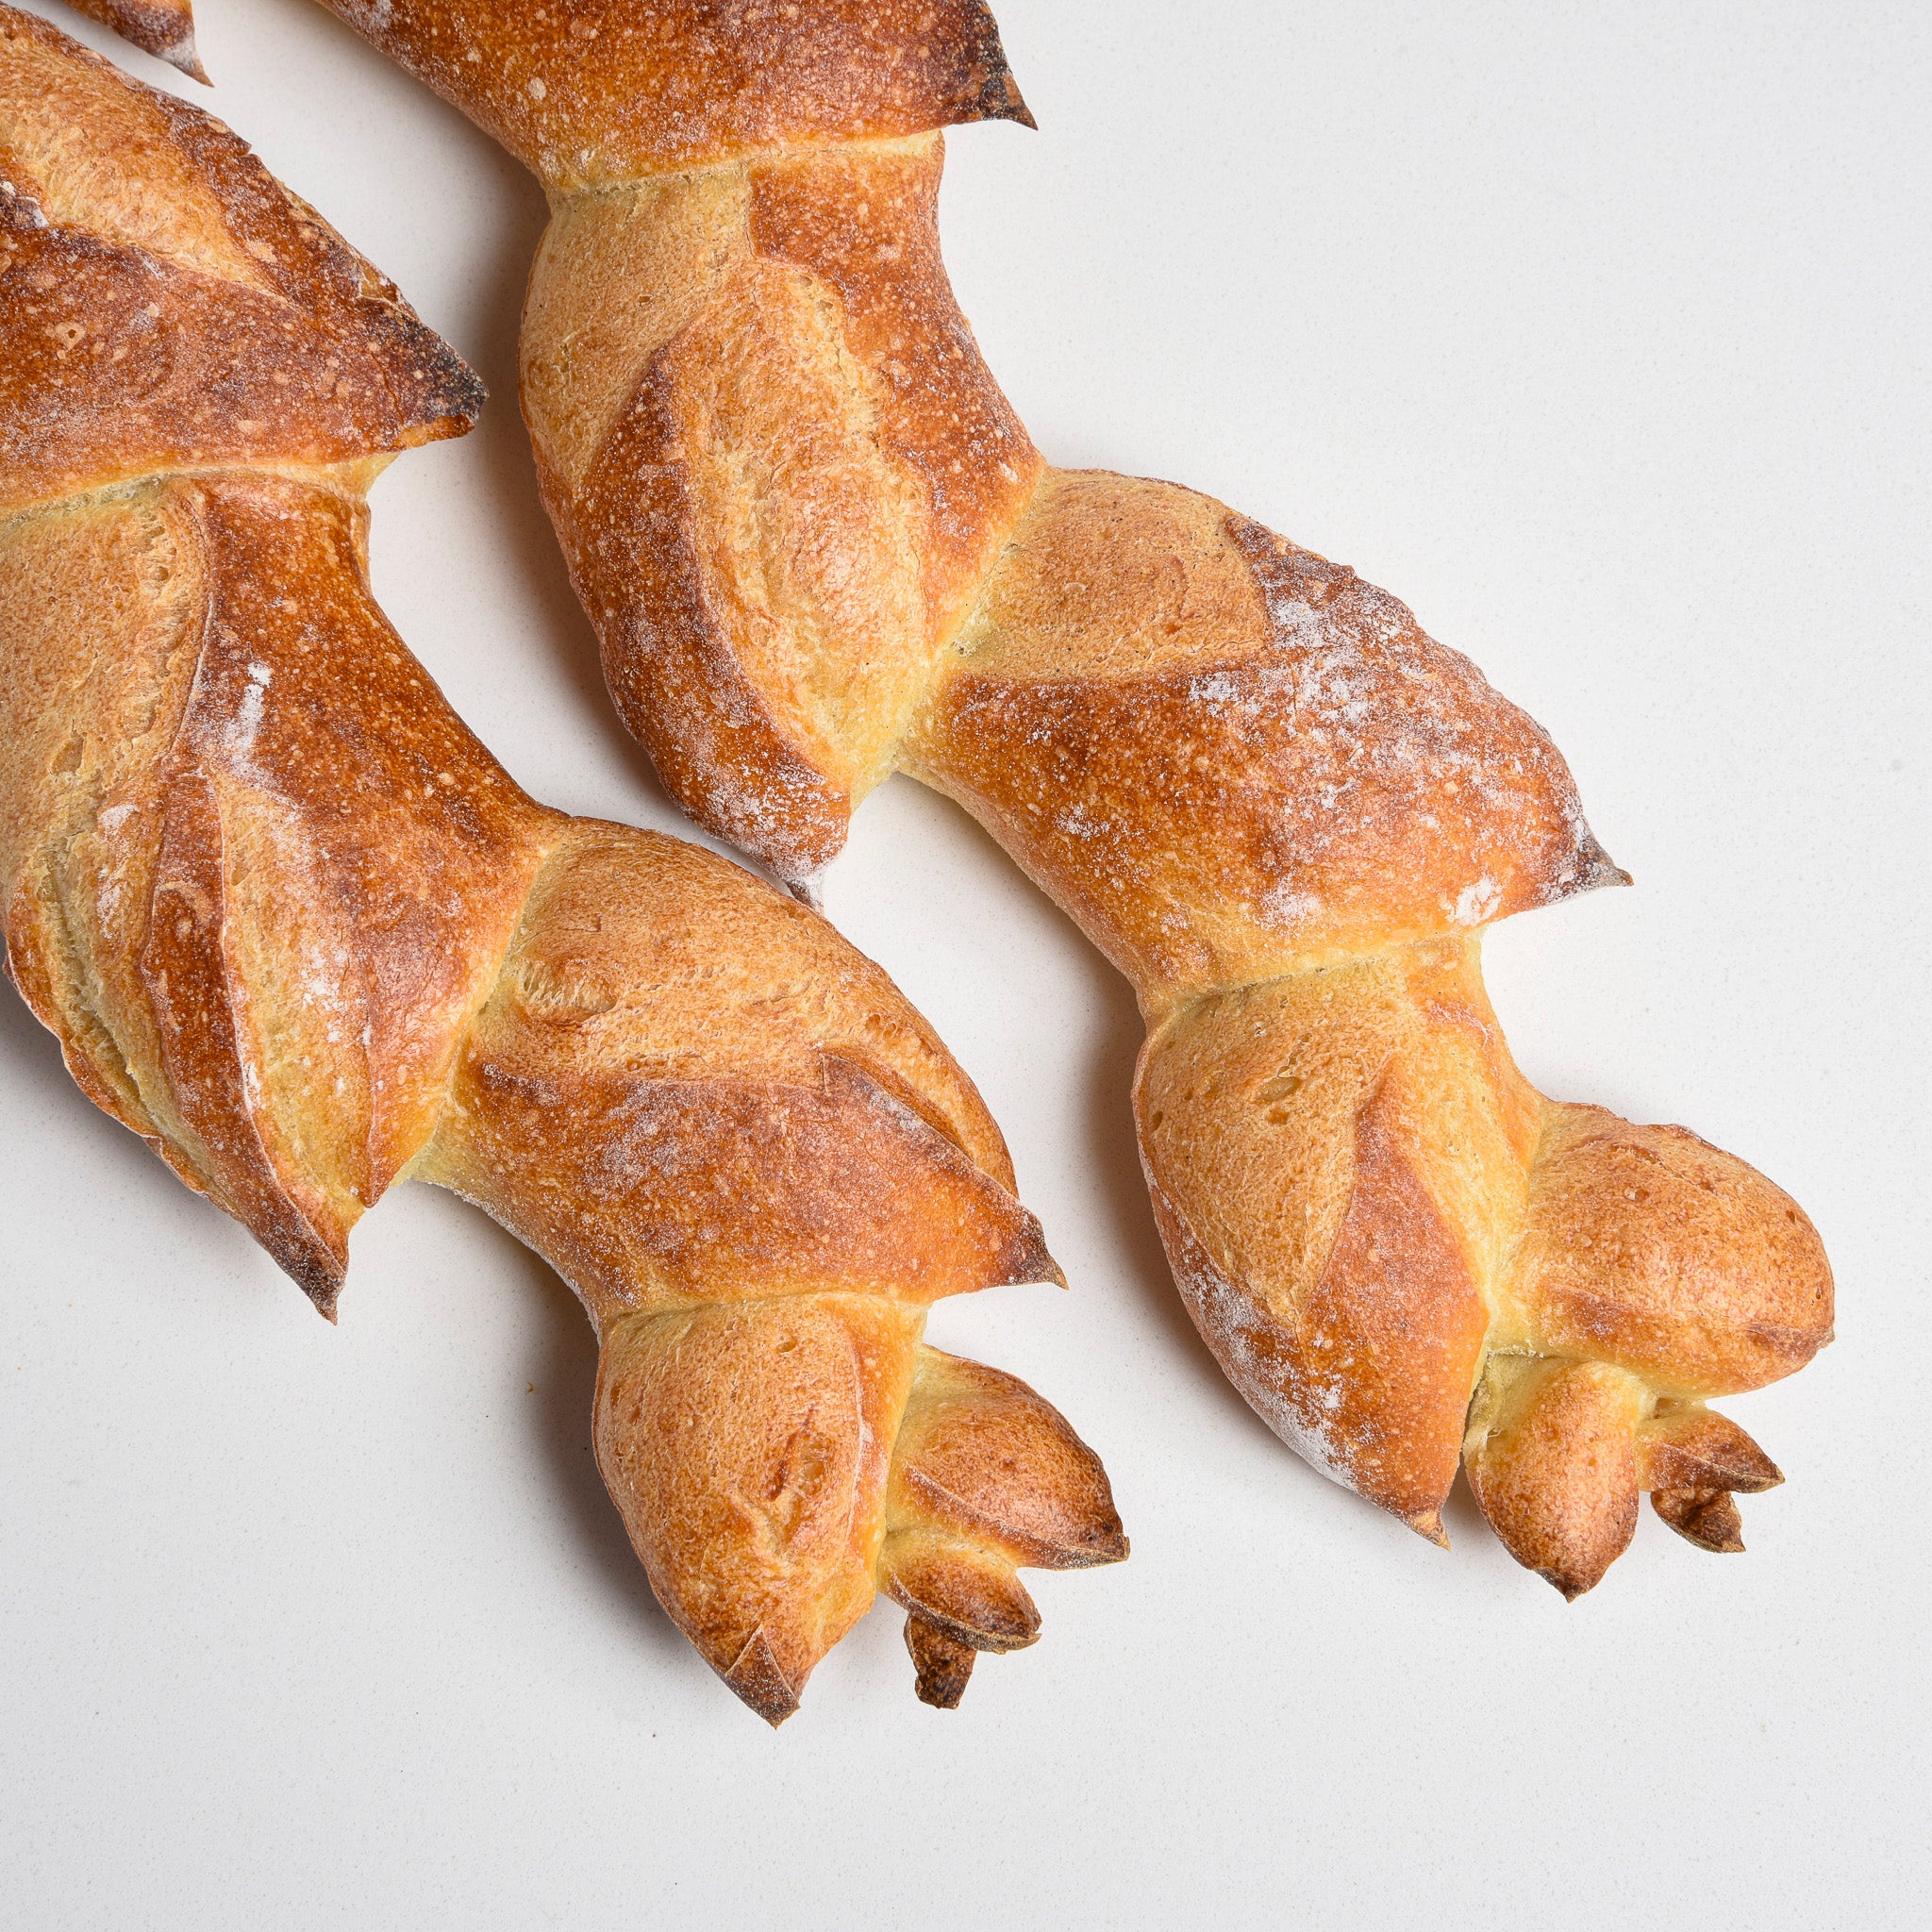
x=166, y=305
x=748, y=1448
x=1228, y=758
x=586, y=91
x=687, y=1089
x=275, y=964
x=780, y=470
x=1335, y=1160
x=1648, y=1247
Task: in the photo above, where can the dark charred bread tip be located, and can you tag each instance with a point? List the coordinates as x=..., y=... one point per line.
x=944, y=1663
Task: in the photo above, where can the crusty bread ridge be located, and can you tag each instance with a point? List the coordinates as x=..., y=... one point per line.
x=819, y=546
x=294, y=925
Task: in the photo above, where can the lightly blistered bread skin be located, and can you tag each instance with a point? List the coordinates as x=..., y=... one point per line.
x=819, y=547
x=295, y=928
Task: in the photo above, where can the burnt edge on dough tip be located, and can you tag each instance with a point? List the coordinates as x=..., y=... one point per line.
x=997, y=97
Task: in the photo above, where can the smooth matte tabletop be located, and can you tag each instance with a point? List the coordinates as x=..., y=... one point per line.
x=1597, y=334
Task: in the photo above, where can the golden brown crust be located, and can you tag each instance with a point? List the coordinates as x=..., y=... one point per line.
x=748, y=1448
x=968, y=1433
x=294, y=925
x=1326, y=1190
x=771, y=1458
x=778, y=475
x=659, y=1161
x=1648, y=1247
x=205, y=1059
x=252, y=928
x=1362, y=1198
x=405, y=887
x=967, y=1594
x=986, y=1477
x=743, y=760
x=1693, y=1461
x=943, y=1662
x=1686, y=1446
x=1395, y=1327
x=584, y=92
x=1704, y=1517
x=818, y=546
x=1552, y=1462
x=664, y=957
x=1268, y=769
x=79, y=836
x=864, y=225
x=165, y=305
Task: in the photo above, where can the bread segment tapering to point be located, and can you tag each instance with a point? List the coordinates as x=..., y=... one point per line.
x=294, y=925
x=818, y=546
x=164, y=28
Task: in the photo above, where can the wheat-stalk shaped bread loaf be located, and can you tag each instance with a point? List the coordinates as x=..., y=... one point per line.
x=819, y=547
x=297, y=927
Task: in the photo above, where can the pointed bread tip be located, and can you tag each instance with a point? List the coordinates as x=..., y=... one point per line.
x=1706, y=1518
x=944, y=1663
x=760, y=1683
x=1035, y=1267
x=183, y=54
x=1596, y=868
x=1427, y=1524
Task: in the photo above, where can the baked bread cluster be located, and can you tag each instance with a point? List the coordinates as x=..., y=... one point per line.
x=820, y=547
x=297, y=929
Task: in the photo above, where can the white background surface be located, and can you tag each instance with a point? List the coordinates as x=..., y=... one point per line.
x=1598, y=334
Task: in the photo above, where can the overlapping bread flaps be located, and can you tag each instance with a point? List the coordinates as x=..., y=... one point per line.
x=818, y=546
x=294, y=924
